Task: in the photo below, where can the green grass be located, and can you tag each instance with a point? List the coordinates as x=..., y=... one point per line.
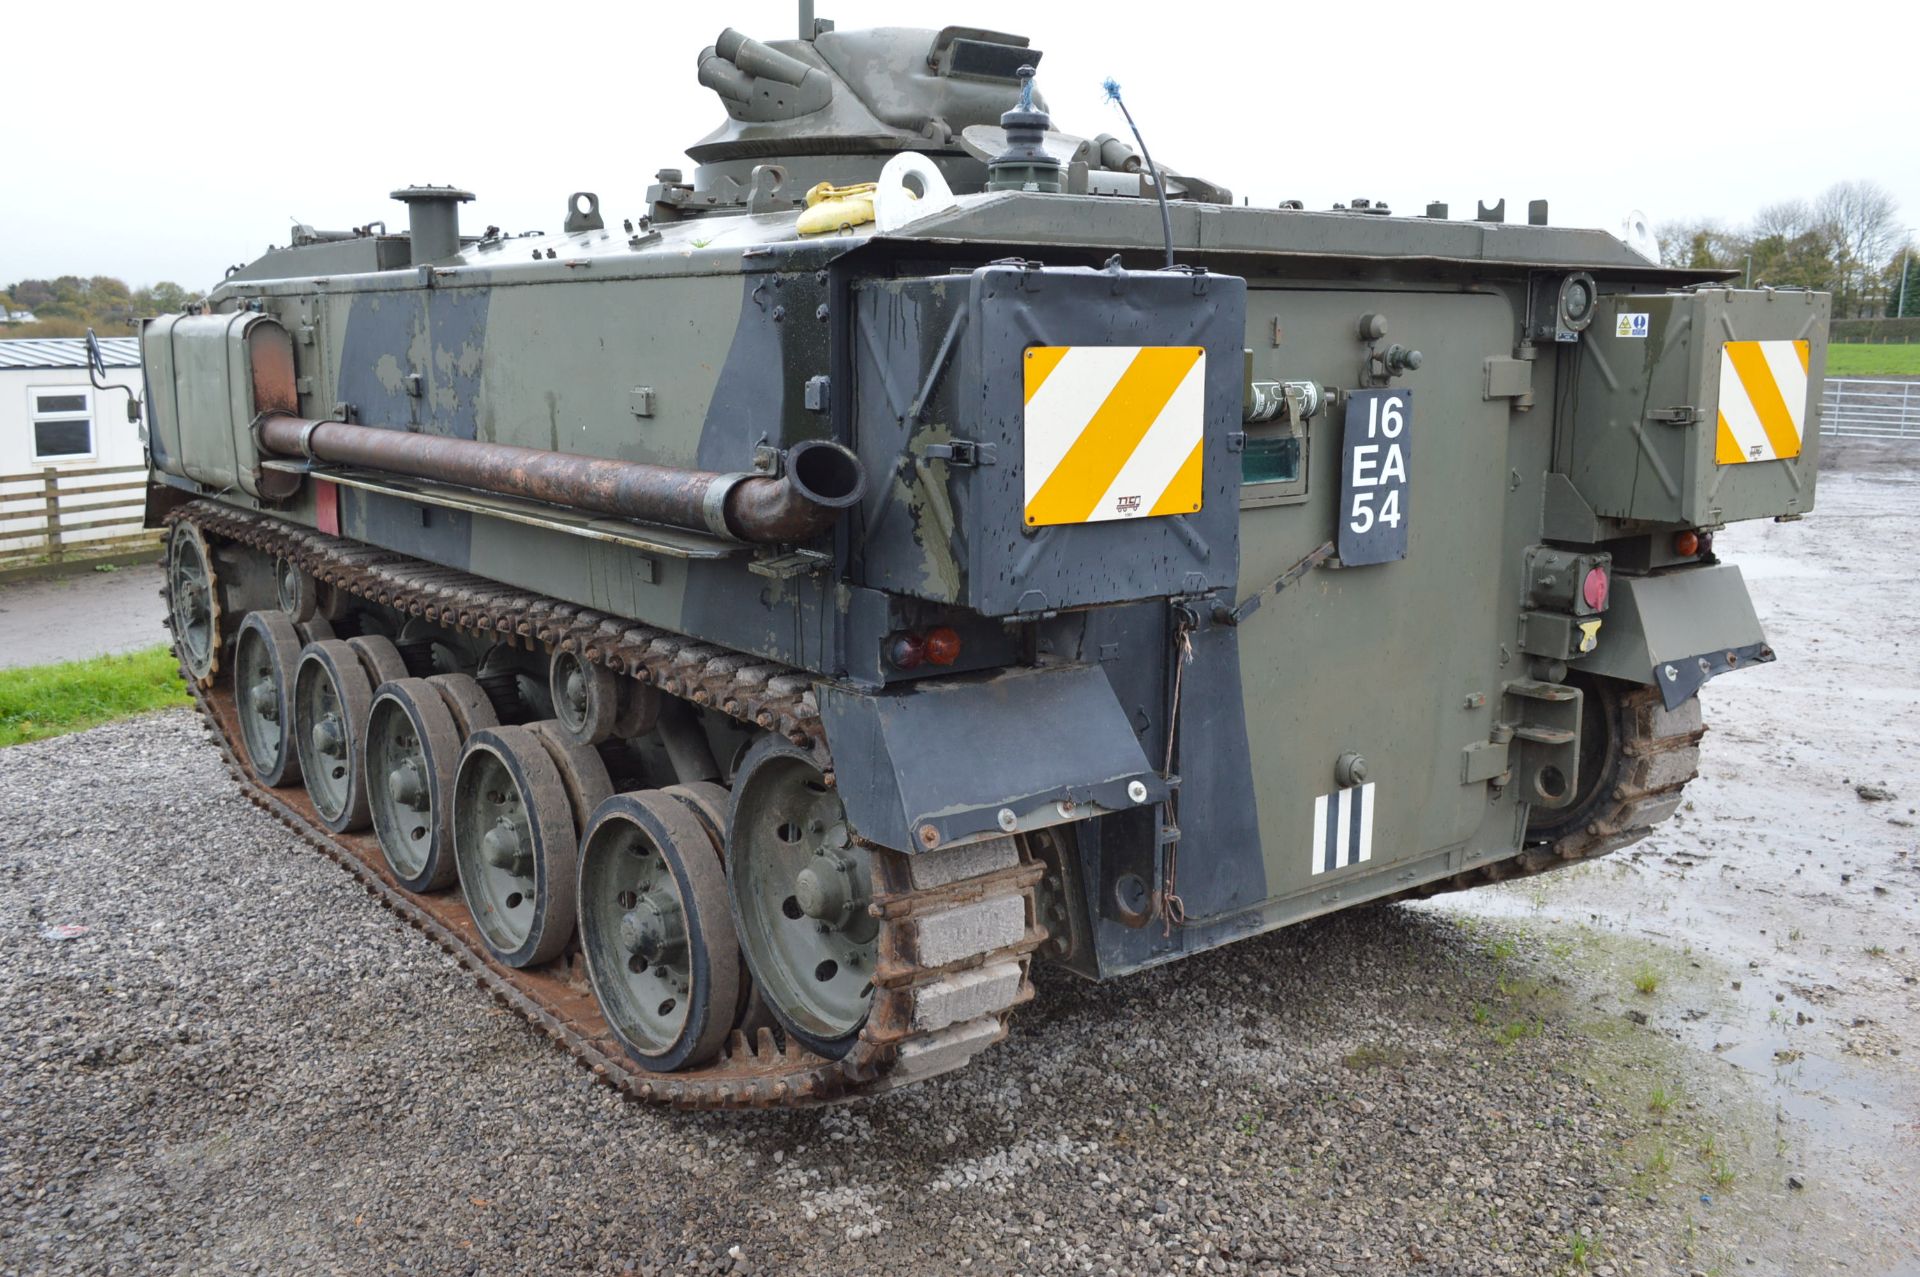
x=1646, y=980
x=1868, y=360
x=52, y=700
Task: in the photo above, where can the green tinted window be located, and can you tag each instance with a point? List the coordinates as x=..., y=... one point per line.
x=1270, y=460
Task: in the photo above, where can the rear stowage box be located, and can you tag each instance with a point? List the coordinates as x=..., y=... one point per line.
x=1697, y=408
x=1050, y=438
x=208, y=378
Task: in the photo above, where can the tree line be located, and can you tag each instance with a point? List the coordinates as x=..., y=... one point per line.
x=1849, y=241
x=69, y=305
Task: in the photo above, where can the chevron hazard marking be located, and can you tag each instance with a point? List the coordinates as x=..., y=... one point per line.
x=1113, y=432
x=1763, y=401
x=1342, y=828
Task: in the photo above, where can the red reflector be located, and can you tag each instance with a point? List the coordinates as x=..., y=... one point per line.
x=1686, y=544
x=1594, y=588
x=943, y=646
x=906, y=651
x=326, y=507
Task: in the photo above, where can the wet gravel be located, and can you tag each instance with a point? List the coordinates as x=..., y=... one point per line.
x=244, y=1064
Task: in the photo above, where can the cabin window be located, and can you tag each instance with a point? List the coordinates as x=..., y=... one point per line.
x=62, y=423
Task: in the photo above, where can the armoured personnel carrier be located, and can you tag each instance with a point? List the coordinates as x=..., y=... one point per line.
x=752, y=629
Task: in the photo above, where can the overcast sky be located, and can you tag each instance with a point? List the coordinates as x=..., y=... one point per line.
x=166, y=141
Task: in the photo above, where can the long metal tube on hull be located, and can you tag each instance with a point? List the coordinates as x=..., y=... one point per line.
x=821, y=479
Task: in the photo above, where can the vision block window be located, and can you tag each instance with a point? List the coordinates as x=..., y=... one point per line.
x=62, y=423
x=1270, y=460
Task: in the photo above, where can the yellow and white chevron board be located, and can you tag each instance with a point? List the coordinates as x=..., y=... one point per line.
x=1113, y=432
x=1763, y=401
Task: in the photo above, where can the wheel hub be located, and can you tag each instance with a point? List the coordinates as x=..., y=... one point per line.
x=265, y=703
x=407, y=785
x=329, y=737
x=503, y=849
x=826, y=892
x=655, y=929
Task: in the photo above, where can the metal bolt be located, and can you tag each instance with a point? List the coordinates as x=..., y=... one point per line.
x=1008, y=821
x=1137, y=790
x=1350, y=769
x=929, y=837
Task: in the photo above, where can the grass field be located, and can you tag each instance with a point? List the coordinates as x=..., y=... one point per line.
x=1863, y=360
x=51, y=700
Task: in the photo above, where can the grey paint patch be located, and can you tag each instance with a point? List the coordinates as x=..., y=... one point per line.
x=438, y=336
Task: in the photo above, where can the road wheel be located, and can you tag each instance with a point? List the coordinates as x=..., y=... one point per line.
x=513, y=838
x=657, y=930
x=266, y=653
x=331, y=697
x=413, y=749
x=800, y=886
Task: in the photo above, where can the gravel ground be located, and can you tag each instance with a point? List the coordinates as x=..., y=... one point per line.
x=244, y=1064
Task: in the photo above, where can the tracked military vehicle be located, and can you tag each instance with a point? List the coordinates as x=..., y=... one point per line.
x=752, y=629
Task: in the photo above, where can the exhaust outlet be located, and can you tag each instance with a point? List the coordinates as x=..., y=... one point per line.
x=822, y=478
x=433, y=221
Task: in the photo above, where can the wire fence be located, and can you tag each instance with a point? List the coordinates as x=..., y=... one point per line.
x=1870, y=409
x=55, y=513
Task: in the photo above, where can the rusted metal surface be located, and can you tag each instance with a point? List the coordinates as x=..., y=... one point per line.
x=271, y=370
x=822, y=478
x=756, y=1072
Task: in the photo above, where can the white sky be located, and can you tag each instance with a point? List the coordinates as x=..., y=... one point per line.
x=162, y=141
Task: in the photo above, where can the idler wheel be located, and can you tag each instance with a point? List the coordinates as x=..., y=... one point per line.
x=514, y=842
x=413, y=749
x=193, y=603
x=331, y=697
x=265, y=654
x=657, y=932
x=800, y=885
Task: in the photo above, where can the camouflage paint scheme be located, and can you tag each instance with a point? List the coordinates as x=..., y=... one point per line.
x=724, y=318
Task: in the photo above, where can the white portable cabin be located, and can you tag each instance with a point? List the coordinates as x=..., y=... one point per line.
x=52, y=417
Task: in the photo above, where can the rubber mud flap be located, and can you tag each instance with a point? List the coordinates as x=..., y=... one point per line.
x=937, y=761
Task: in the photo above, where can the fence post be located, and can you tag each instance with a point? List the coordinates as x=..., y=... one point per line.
x=49, y=478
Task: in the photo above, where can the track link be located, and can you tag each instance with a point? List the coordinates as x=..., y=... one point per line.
x=1659, y=754
x=958, y=927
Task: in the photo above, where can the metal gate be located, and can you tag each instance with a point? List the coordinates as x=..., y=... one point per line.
x=1871, y=409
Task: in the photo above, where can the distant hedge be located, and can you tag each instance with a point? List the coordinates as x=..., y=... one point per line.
x=1875, y=329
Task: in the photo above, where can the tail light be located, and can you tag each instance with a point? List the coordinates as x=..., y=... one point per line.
x=1686, y=544
x=910, y=649
x=907, y=651
x=943, y=646
x=1594, y=587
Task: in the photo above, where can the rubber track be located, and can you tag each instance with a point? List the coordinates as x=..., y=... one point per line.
x=1662, y=754
x=900, y=1043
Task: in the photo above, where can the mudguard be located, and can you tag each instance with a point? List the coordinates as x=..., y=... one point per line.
x=941, y=762
x=1677, y=629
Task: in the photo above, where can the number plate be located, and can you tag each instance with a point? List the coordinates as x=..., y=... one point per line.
x=1373, y=477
